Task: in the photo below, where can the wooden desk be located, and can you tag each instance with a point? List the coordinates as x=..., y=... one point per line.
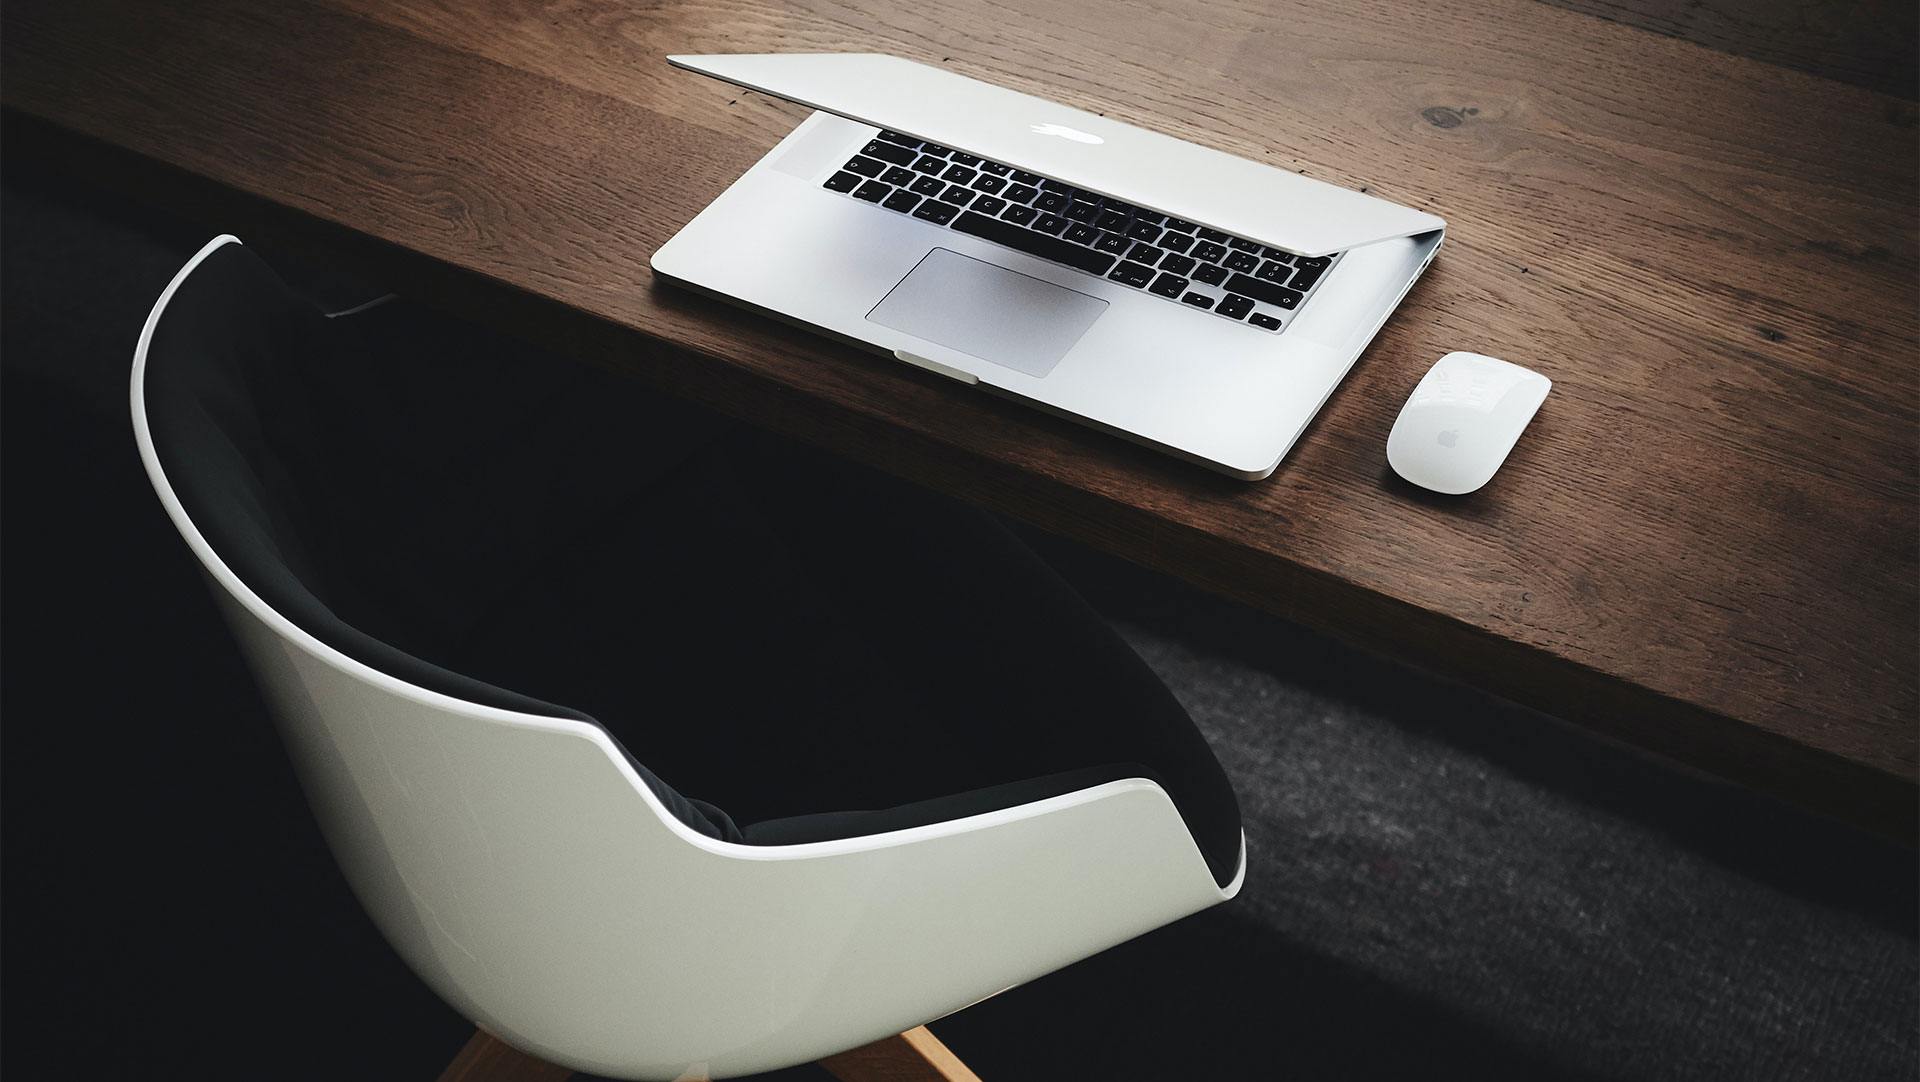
x=1705, y=546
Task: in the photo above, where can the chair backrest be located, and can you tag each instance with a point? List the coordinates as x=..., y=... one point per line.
x=526, y=870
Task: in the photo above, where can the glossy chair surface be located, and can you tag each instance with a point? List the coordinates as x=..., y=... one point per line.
x=539, y=880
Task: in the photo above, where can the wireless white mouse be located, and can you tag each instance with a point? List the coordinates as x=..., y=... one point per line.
x=1463, y=418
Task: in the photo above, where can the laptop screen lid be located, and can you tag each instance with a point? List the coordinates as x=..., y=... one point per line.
x=1277, y=208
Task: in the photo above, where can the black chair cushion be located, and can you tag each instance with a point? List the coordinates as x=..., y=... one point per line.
x=817, y=649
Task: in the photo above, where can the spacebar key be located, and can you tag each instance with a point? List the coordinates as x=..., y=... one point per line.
x=1025, y=240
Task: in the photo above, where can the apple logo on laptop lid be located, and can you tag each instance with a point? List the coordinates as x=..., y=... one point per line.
x=1065, y=132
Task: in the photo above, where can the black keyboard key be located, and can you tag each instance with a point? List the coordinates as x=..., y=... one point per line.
x=1310, y=271
x=1213, y=235
x=1277, y=255
x=1050, y=223
x=1273, y=272
x=902, y=201
x=897, y=176
x=989, y=184
x=896, y=137
x=1177, y=264
x=1146, y=231
x=1083, y=212
x=964, y=159
x=935, y=149
x=1242, y=261
x=1023, y=177
x=929, y=164
x=1168, y=285
x=1056, y=186
x=1179, y=242
x=959, y=174
x=1111, y=220
x=1133, y=274
x=1052, y=202
x=872, y=191
x=936, y=212
x=1198, y=300
x=889, y=152
x=1146, y=253
x=866, y=167
x=957, y=195
x=1127, y=209
x=1019, y=193
x=1073, y=255
x=989, y=204
x=1149, y=216
x=1278, y=296
x=995, y=168
x=1243, y=245
x=1018, y=214
x=842, y=181
x=1304, y=279
x=1179, y=226
x=1211, y=273
x=1264, y=321
x=1208, y=252
x=1234, y=306
x=1079, y=233
x=929, y=186
x=1113, y=242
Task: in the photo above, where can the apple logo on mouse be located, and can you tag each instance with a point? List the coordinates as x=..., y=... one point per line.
x=1450, y=437
x=1065, y=132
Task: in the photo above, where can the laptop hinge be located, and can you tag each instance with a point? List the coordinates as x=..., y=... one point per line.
x=935, y=366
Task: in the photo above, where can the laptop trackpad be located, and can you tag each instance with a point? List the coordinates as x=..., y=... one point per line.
x=989, y=312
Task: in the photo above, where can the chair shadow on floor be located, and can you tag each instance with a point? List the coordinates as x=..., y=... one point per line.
x=1218, y=995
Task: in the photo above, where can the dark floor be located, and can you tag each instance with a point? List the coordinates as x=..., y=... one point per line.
x=1440, y=884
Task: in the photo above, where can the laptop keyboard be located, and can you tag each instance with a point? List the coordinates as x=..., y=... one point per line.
x=1180, y=261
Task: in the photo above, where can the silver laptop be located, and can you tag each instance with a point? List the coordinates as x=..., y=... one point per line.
x=1183, y=298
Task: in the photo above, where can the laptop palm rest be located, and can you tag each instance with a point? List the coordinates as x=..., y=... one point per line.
x=988, y=311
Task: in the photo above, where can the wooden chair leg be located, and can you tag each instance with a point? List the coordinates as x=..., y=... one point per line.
x=487, y=1058
x=914, y=1056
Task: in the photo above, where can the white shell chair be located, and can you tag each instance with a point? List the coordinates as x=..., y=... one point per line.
x=526, y=871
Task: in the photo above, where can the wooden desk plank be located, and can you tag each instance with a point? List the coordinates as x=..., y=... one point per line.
x=1868, y=43
x=1706, y=545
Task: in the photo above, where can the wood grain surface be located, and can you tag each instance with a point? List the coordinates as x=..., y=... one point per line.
x=1705, y=545
x=1871, y=43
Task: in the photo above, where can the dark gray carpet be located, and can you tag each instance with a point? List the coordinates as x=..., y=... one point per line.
x=1601, y=940
x=1440, y=884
